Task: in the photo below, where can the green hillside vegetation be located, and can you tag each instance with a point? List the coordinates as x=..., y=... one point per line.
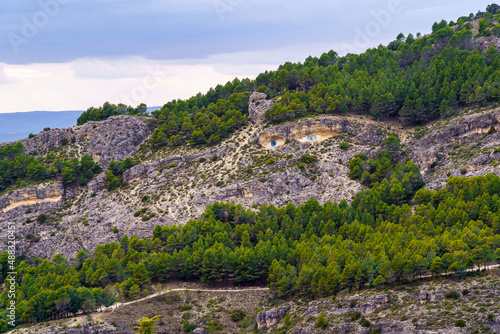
x=108, y=110
x=17, y=168
x=414, y=79
x=311, y=250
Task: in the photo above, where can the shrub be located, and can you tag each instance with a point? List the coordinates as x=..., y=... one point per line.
x=301, y=166
x=185, y=307
x=187, y=326
x=31, y=136
x=465, y=292
x=463, y=171
x=270, y=162
x=492, y=130
x=354, y=316
x=219, y=183
x=460, y=323
x=353, y=303
x=115, y=229
x=344, y=145
x=322, y=322
x=41, y=219
x=308, y=159
x=376, y=330
x=491, y=317
x=453, y=294
x=364, y=323
x=214, y=325
x=237, y=315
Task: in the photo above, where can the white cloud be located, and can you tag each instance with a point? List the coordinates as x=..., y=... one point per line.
x=5, y=78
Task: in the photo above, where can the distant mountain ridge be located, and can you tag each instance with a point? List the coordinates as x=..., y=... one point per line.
x=16, y=126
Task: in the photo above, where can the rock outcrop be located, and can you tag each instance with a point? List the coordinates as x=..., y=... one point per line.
x=317, y=130
x=267, y=319
x=464, y=146
x=429, y=296
x=116, y=138
x=43, y=194
x=258, y=107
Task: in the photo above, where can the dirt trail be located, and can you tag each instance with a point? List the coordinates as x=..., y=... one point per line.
x=119, y=304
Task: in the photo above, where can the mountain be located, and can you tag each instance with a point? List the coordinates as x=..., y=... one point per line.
x=15, y=126
x=342, y=194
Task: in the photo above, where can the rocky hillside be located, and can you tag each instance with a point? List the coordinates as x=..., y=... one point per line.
x=424, y=306
x=260, y=164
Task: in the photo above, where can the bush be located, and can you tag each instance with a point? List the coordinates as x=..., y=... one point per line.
x=31, y=136
x=354, y=316
x=185, y=307
x=364, y=323
x=344, y=145
x=353, y=303
x=322, y=322
x=237, y=315
x=41, y=219
x=187, y=326
x=376, y=330
x=214, y=325
x=463, y=171
x=301, y=166
x=460, y=323
x=308, y=159
x=491, y=317
x=453, y=294
x=465, y=292
x=115, y=229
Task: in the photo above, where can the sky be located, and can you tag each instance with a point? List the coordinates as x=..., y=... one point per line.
x=74, y=54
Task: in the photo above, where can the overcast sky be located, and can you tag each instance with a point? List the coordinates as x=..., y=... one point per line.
x=73, y=54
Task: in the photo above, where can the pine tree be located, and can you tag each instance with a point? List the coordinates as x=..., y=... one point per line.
x=141, y=275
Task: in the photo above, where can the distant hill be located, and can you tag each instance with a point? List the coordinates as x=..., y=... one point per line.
x=15, y=126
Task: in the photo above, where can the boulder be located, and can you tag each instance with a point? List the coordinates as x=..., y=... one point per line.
x=267, y=319
x=426, y=296
x=258, y=105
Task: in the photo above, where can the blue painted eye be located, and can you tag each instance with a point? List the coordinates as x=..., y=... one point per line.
x=312, y=138
x=274, y=143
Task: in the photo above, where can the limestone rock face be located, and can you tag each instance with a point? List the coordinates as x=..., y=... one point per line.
x=464, y=146
x=258, y=107
x=50, y=194
x=431, y=296
x=267, y=319
x=116, y=138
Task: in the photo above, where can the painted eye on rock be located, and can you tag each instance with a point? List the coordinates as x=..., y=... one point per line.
x=274, y=143
x=310, y=139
